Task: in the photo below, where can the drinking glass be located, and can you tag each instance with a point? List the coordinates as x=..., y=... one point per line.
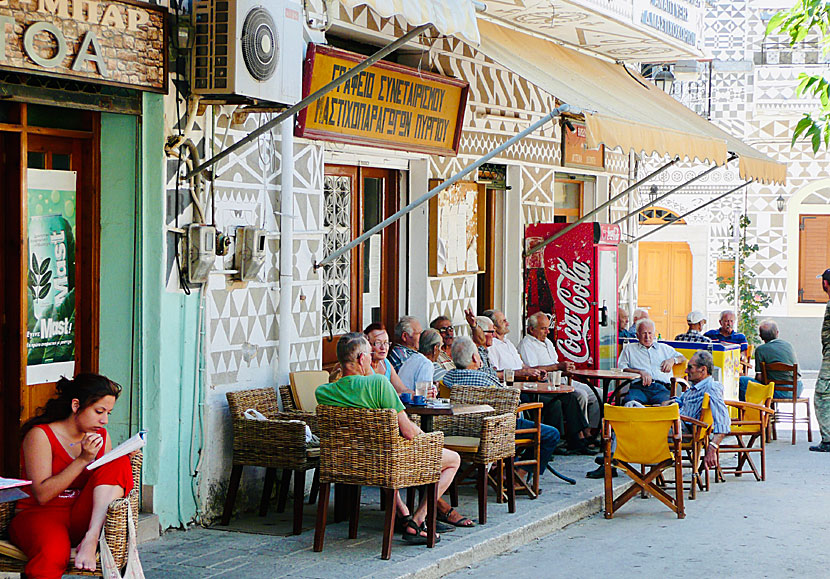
x=421, y=388
x=509, y=376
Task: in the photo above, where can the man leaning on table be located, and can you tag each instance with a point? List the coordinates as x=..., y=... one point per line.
x=653, y=361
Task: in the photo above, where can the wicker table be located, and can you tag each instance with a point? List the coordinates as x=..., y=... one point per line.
x=605, y=377
x=427, y=413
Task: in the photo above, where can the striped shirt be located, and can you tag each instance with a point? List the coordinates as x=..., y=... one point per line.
x=398, y=355
x=693, y=336
x=469, y=378
x=691, y=402
x=486, y=364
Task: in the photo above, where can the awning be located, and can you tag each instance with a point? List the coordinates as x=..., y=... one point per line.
x=449, y=17
x=620, y=110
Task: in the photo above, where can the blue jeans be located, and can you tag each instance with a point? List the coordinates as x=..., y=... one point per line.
x=548, y=439
x=745, y=380
x=656, y=393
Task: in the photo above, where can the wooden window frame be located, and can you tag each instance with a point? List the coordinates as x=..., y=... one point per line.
x=809, y=277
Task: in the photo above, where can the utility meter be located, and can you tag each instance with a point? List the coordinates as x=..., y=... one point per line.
x=250, y=251
x=201, y=252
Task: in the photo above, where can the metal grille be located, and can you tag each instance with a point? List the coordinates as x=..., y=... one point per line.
x=337, y=276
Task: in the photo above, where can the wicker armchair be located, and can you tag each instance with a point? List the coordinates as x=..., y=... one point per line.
x=362, y=447
x=482, y=439
x=276, y=443
x=13, y=560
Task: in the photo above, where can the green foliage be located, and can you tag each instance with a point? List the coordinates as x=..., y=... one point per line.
x=751, y=299
x=804, y=18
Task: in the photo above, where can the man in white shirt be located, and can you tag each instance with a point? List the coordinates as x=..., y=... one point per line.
x=503, y=354
x=653, y=361
x=540, y=353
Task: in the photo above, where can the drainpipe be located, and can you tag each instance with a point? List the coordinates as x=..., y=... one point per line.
x=286, y=249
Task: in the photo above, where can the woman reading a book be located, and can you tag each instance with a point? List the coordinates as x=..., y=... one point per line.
x=68, y=504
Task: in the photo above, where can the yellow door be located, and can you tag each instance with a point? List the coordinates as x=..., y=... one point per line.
x=665, y=285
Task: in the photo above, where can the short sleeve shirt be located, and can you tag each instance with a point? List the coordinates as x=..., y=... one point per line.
x=417, y=368
x=638, y=357
x=374, y=392
x=776, y=350
x=503, y=354
x=733, y=338
x=537, y=353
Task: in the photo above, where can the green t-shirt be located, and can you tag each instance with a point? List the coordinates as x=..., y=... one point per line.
x=375, y=391
x=776, y=350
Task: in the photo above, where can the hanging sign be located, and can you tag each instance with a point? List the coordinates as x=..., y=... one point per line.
x=575, y=150
x=118, y=42
x=387, y=105
x=50, y=335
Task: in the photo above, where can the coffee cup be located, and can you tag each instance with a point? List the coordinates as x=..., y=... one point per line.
x=406, y=397
x=419, y=400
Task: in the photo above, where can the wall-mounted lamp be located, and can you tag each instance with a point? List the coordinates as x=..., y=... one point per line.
x=653, y=193
x=663, y=79
x=781, y=203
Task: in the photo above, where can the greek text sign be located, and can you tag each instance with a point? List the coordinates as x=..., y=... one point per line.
x=105, y=41
x=387, y=105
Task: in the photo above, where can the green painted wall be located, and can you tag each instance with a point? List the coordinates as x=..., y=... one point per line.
x=168, y=344
x=118, y=268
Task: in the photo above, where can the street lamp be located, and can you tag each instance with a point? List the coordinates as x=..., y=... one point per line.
x=663, y=79
x=781, y=203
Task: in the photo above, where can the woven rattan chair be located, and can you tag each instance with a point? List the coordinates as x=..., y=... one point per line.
x=276, y=443
x=483, y=439
x=13, y=560
x=791, y=388
x=362, y=447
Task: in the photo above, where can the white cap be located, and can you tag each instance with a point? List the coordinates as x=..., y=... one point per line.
x=695, y=316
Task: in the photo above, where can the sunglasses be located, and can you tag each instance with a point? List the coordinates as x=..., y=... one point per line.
x=447, y=330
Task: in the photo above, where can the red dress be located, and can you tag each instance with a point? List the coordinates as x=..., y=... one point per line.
x=47, y=532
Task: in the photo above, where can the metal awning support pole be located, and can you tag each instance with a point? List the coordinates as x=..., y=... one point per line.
x=294, y=109
x=587, y=216
x=718, y=198
x=673, y=191
x=564, y=108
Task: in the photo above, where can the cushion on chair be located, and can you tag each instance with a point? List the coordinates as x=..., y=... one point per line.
x=462, y=443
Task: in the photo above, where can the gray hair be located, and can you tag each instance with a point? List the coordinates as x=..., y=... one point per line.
x=463, y=350
x=768, y=330
x=725, y=313
x=643, y=321
x=350, y=346
x=490, y=314
x=534, y=319
x=640, y=313
x=429, y=339
x=703, y=359
x=404, y=326
x=485, y=323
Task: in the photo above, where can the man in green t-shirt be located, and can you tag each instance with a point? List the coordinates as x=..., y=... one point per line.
x=360, y=387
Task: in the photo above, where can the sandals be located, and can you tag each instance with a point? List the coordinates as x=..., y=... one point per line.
x=415, y=538
x=462, y=522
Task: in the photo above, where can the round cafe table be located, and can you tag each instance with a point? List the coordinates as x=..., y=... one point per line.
x=606, y=378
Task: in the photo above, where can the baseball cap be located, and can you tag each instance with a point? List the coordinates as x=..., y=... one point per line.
x=696, y=316
x=825, y=276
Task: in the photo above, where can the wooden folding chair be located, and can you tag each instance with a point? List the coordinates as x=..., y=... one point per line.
x=642, y=436
x=528, y=441
x=790, y=386
x=749, y=425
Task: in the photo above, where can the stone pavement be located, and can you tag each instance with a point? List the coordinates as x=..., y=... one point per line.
x=260, y=547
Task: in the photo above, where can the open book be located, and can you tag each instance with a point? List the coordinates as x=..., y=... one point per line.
x=130, y=445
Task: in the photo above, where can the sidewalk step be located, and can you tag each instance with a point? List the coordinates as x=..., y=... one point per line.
x=147, y=527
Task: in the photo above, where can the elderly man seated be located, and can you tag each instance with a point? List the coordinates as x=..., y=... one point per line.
x=773, y=350
x=444, y=326
x=653, y=361
x=622, y=324
x=420, y=367
x=727, y=334
x=699, y=372
x=360, y=387
x=696, y=321
x=407, y=334
x=468, y=372
x=538, y=351
x=639, y=314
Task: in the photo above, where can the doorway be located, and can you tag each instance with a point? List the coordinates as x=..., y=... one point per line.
x=664, y=285
x=360, y=287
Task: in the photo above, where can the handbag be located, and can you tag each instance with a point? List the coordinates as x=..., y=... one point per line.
x=133, y=569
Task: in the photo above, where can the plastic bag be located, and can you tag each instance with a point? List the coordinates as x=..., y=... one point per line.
x=133, y=569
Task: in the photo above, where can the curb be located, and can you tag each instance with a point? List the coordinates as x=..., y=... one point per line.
x=513, y=539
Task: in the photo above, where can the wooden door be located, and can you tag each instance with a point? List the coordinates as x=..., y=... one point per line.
x=665, y=285
x=361, y=287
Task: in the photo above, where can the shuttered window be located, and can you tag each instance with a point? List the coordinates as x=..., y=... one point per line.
x=813, y=256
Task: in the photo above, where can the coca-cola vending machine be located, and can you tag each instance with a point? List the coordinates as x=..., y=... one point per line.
x=575, y=279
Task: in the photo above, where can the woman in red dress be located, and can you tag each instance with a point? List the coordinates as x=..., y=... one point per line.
x=68, y=504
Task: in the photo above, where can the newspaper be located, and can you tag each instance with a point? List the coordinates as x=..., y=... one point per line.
x=130, y=445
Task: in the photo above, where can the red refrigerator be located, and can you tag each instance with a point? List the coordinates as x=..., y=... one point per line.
x=575, y=279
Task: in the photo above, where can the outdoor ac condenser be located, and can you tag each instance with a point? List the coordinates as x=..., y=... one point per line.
x=248, y=48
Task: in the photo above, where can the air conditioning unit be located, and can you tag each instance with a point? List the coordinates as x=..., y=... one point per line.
x=251, y=49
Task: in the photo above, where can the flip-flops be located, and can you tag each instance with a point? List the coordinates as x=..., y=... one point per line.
x=464, y=522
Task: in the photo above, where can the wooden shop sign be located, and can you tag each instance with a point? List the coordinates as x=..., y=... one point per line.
x=575, y=151
x=387, y=105
x=117, y=42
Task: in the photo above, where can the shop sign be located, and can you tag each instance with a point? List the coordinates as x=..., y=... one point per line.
x=116, y=42
x=575, y=151
x=387, y=105
x=679, y=19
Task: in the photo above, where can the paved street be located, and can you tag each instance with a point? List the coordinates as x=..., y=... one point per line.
x=741, y=528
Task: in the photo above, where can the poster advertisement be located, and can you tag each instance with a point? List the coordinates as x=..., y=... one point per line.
x=50, y=336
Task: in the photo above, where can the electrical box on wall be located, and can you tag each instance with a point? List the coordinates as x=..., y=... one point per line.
x=250, y=252
x=201, y=252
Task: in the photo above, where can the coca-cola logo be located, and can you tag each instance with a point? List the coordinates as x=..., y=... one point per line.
x=573, y=292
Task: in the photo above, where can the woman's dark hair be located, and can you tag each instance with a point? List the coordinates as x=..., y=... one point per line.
x=88, y=388
x=374, y=327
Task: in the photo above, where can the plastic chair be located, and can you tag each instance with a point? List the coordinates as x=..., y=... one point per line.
x=13, y=560
x=362, y=447
x=749, y=420
x=642, y=436
x=790, y=386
